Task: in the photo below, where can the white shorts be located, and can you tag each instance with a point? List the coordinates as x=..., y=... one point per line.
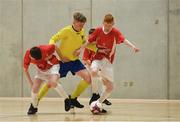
x=45, y=75
x=104, y=68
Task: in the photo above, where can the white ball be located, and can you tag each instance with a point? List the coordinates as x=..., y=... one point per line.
x=96, y=107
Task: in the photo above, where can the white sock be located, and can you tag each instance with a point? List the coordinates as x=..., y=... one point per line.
x=34, y=99
x=103, y=87
x=94, y=85
x=104, y=96
x=61, y=91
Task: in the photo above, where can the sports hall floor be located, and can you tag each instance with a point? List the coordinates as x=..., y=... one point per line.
x=122, y=110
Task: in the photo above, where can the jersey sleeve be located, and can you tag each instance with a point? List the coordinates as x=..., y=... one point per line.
x=86, y=54
x=92, y=47
x=93, y=36
x=58, y=36
x=50, y=49
x=54, y=60
x=119, y=37
x=27, y=60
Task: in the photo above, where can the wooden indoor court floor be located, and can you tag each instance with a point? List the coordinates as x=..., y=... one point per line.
x=122, y=110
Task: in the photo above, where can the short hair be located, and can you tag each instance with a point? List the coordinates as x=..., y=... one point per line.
x=79, y=17
x=91, y=30
x=35, y=52
x=108, y=18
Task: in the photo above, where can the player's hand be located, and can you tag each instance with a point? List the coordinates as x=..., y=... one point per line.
x=64, y=59
x=135, y=49
x=111, y=53
x=88, y=62
x=104, y=51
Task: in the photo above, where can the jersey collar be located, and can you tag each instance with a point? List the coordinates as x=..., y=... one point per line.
x=106, y=32
x=78, y=32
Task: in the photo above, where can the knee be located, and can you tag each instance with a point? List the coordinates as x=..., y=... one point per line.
x=109, y=87
x=94, y=73
x=52, y=84
x=48, y=85
x=34, y=90
x=88, y=78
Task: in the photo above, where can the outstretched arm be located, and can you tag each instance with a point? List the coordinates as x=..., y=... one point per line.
x=129, y=44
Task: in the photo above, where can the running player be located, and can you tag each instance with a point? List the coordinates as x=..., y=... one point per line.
x=87, y=59
x=106, y=37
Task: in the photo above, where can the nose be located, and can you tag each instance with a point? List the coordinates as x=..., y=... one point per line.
x=81, y=25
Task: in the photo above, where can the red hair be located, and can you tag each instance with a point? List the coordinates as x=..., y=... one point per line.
x=108, y=18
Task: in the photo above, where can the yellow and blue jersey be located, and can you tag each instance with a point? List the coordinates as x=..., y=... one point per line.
x=70, y=40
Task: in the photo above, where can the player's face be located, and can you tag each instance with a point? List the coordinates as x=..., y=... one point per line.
x=107, y=26
x=78, y=25
x=34, y=58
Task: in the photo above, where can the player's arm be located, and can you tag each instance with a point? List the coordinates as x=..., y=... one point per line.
x=113, y=49
x=26, y=66
x=92, y=39
x=62, y=34
x=58, y=36
x=91, y=43
x=27, y=74
x=121, y=39
x=58, y=52
x=87, y=44
x=62, y=58
x=92, y=46
x=86, y=56
x=129, y=44
x=54, y=39
x=50, y=51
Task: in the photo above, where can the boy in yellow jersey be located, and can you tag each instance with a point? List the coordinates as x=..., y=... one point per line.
x=73, y=41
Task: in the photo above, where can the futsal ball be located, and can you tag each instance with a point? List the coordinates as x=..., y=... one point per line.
x=96, y=107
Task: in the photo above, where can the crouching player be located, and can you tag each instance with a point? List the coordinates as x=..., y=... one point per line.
x=47, y=70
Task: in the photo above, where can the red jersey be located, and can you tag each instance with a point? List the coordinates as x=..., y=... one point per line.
x=43, y=63
x=88, y=54
x=106, y=41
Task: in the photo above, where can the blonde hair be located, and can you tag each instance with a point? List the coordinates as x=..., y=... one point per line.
x=79, y=17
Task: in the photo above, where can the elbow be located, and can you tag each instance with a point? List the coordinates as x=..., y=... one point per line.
x=51, y=41
x=25, y=69
x=125, y=40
